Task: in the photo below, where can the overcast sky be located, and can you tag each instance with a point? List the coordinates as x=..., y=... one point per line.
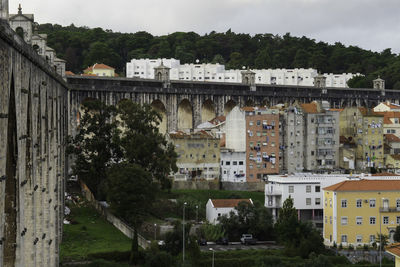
x=370, y=24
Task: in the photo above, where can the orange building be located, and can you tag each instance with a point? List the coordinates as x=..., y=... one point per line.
x=262, y=142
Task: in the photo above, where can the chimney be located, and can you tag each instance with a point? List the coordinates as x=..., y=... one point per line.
x=4, y=10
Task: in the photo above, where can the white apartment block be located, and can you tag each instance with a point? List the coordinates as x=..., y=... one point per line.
x=144, y=68
x=233, y=165
x=306, y=191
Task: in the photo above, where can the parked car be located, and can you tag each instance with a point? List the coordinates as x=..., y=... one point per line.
x=247, y=239
x=202, y=242
x=222, y=241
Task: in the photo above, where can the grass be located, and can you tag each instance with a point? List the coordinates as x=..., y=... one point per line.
x=91, y=234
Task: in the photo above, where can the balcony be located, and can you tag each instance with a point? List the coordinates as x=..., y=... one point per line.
x=389, y=209
x=273, y=192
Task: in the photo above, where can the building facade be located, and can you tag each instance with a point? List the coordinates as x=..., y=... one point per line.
x=321, y=137
x=233, y=166
x=365, y=128
x=216, y=208
x=144, y=68
x=198, y=156
x=355, y=211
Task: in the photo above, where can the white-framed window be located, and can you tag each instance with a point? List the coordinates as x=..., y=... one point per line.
x=372, y=203
x=317, y=201
x=308, y=201
x=344, y=203
x=372, y=220
x=308, y=189
x=385, y=219
x=358, y=220
x=359, y=203
x=372, y=238
x=343, y=220
x=291, y=189
x=317, y=188
x=359, y=238
x=343, y=239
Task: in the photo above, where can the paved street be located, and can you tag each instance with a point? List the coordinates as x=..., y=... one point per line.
x=238, y=246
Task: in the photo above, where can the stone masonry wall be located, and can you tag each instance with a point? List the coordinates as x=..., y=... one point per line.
x=33, y=128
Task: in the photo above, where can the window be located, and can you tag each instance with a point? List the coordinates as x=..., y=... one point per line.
x=258, y=123
x=398, y=220
x=330, y=202
x=317, y=188
x=372, y=238
x=326, y=219
x=308, y=201
x=234, y=162
x=251, y=123
x=317, y=201
x=359, y=239
x=343, y=239
x=240, y=162
x=308, y=189
x=358, y=220
x=359, y=203
x=291, y=189
x=227, y=163
x=398, y=204
x=343, y=220
x=344, y=203
x=326, y=202
x=385, y=219
x=330, y=219
x=372, y=203
x=250, y=166
x=372, y=220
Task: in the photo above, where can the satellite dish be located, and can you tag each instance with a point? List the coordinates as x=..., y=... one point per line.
x=197, y=61
x=243, y=67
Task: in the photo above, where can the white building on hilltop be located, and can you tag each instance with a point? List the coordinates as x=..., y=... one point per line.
x=144, y=68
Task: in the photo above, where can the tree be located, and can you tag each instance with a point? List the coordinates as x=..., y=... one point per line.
x=396, y=236
x=254, y=219
x=287, y=222
x=131, y=192
x=93, y=146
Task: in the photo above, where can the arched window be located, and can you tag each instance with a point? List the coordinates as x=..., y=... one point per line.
x=20, y=32
x=36, y=48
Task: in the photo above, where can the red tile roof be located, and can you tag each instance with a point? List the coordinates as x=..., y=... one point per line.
x=70, y=73
x=366, y=185
x=217, y=120
x=337, y=109
x=394, y=249
x=229, y=203
x=369, y=112
x=98, y=66
x=391, y=138
x=392, y=105
x=310, y=107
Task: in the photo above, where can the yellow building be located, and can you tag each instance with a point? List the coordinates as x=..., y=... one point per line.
x=100, y=70
x=365, y=128
x=395, y=251
x=354, y=210
x=198, y=155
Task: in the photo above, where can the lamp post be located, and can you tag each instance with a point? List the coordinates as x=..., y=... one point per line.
x=211, y=249
x=197, y=213
x=183, y=227
x=155, y=231
x=380, y=234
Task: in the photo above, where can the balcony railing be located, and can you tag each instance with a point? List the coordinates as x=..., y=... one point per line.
x=389, y=209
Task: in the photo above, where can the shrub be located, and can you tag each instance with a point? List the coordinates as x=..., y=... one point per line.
x=118, y=256
x=159, y=259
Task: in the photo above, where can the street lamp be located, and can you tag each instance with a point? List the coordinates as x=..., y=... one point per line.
x=197, y=213
x=183, y=227
x=211, y=249
x=380, y=234
x=155, y=231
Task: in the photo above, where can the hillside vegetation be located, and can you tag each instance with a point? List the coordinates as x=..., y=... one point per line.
x=82, y=46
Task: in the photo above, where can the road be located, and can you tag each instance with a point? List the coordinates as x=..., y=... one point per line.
x=238, y=246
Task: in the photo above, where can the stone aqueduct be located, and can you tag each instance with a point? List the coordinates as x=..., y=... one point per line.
x=185, y=105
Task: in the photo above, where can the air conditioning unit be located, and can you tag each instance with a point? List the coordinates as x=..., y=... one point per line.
x=365, y=200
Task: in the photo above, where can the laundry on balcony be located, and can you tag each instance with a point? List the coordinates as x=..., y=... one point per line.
x=239, y=175
x=268, y=127
x=257, y=148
